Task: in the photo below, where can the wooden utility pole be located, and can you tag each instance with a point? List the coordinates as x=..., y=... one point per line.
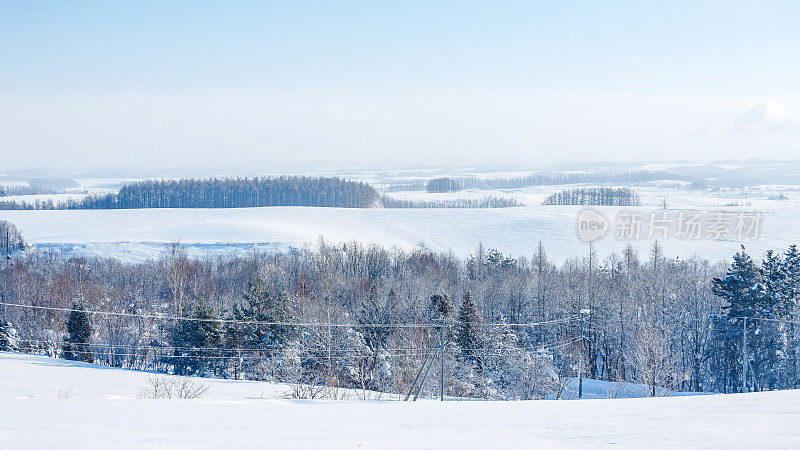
x=744, y=355
x=441, y=368
x=581, y=313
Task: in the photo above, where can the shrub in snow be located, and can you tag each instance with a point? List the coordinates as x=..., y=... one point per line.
x=160, y=386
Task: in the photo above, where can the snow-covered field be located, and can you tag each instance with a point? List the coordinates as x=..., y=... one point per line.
x=49, y=403
x=134, y=235
x=138, y=234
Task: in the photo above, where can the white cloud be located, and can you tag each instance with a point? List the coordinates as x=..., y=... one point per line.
x=699, y=133
x=769, y=117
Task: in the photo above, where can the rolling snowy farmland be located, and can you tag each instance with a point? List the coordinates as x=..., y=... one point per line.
x=142, y=233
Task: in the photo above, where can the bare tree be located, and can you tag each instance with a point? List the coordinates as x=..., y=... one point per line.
x=652, y=357
x=175, y=269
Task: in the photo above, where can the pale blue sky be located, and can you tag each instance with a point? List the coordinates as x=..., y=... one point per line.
x=375, y=83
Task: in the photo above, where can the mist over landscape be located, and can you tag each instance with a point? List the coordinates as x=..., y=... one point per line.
x=399, y=225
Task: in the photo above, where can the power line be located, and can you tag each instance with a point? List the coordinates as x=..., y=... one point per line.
x=160, y=317
x=301, y=356
x=410, y=350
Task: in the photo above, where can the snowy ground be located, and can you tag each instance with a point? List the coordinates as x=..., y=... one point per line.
x=102, y=412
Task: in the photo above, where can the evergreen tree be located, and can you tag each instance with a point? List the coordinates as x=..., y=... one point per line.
x=79, y=329
x=742, y=287
x=469, y=336
x=775, y=288
x=262, y=305
x=197, y=342
x=791, y=268
x=502, y=351
x=441, y=307
x=354, y=361
x=272, y=338
x=754, y=292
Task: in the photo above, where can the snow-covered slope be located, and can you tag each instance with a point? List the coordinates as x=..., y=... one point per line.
x=139, y=234
x=39, y=377
x=101, y=412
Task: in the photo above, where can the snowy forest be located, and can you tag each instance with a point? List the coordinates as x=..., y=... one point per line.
x=224, y=193
x=443, y=185
x=601, y=196
x=459, y=183
x=247, y=193
x=367, y=317
x=455, y=184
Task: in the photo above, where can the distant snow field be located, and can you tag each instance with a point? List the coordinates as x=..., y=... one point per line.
x=51, y=403
x=139, y=234
x=134, y=235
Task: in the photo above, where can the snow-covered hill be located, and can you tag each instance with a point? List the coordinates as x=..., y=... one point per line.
x=143, y=233
x=134, y=235
x=49, y=403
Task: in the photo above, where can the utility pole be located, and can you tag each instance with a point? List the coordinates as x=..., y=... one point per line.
x=582, y=312
x=428, y=356
x=744, y=355
x=441, y=366
x=160, y=345
x=6, y=263
x=423, y=372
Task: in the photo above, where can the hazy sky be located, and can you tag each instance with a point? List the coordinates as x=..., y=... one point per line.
x=86, y=84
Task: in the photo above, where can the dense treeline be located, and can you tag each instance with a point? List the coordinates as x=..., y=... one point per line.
x=601, y=196
x=9, y=190
x=224, y=193
x=249, y=192
x=365, y=317
x=557, y=178
x=454, y=184
x=239, y=193
x=414, y=185
x=444, y=184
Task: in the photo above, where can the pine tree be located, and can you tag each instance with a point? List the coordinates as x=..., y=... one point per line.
x=469, y=336
x=79, y=328
x=775, y=288
x=197, y=342
x=260, y=304
x=503, y=349
x=441, y=307
x=754, y=292
x=353, y=361
x=791, y=267
x=742, y=286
